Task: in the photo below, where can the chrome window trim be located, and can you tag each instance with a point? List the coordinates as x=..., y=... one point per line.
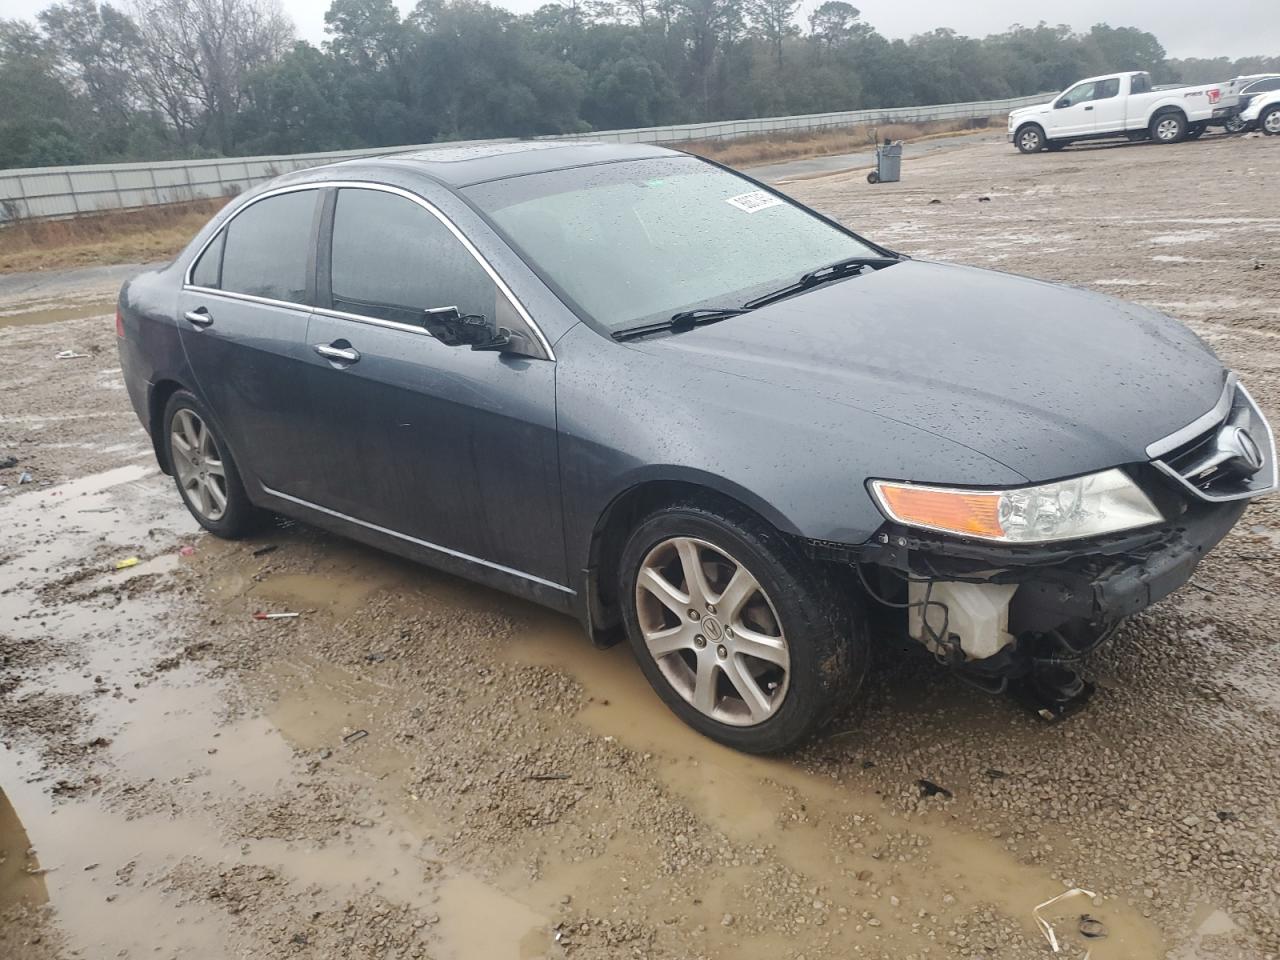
x=383, y=188
x=373, y=321
x=1199, y=425
x=251, y=298
x=457, y=554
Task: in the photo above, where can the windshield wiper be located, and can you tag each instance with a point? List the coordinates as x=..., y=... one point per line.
x=832, y=271
x=680, y=322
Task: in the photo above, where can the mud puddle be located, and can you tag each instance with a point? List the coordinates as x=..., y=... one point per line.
x=27, y=315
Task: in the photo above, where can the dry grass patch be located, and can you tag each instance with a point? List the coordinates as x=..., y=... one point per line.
x=117, y=236
x=767, y=148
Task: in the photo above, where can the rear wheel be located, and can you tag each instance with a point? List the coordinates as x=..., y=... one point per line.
x=744, y=638
x=1029, y=139
x=1168, y=128
x=204, y=470
x=873, y=177
x=1269, y=122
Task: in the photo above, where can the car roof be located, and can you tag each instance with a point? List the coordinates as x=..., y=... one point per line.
x=469, y=164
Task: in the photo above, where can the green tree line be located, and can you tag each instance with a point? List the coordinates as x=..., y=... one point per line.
x=92, y=82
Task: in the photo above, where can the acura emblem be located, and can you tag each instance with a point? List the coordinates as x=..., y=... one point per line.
x=1244, y=450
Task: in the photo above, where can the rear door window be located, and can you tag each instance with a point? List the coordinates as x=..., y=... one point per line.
x=268, y=247
x=1107, y=89
x=209, y=266
x=393, y=259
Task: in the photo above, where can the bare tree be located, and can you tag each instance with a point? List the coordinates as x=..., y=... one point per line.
x=197, y=56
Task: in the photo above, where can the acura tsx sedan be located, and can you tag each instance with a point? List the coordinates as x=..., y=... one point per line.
x=643, y=389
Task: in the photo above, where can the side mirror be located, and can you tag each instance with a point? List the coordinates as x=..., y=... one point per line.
x=1062, y=103
x=473, y=330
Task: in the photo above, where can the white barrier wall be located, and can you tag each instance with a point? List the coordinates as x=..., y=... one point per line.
x=36, y=192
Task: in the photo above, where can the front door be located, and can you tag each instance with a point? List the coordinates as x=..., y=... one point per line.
x=243, y=322
x=1072, y=114
x=449, y=447
x=1108, y=107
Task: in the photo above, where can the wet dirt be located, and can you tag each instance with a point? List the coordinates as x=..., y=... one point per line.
x=418, y=767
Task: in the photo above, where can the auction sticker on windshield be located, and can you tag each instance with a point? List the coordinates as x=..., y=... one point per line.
x=754, y=201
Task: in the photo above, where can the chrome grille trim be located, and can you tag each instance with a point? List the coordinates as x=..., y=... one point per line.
x=1208, y=476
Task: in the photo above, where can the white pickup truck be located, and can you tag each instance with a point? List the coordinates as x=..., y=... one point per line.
x=1120, y=105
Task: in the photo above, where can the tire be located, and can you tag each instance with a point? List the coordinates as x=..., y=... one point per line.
x=873, y=177
x=1168, y=127
x=204, y=471
x=1234, y=124
x=811, y=631
x=1196, y=131
x=1029, y=138
x=1269, y=121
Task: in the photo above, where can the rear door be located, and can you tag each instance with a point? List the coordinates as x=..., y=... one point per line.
x=243, y=319
x=1108, y=106
x=448, y=447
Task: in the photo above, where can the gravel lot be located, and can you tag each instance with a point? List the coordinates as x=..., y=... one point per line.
x=417, y=767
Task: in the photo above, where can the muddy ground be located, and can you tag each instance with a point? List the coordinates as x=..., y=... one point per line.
x=417, y=767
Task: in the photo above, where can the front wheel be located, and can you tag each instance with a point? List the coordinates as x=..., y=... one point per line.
x=744, y=638
x=204, y=470
x=1169, y=128
x=1269, y=122
x=1234, y=124
x=1030, y=139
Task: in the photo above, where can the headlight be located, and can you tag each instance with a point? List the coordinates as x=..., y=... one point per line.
x=1089, y=506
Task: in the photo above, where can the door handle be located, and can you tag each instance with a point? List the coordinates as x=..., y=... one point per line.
x=199, y=316
x=338, y=354
x=1088, y=108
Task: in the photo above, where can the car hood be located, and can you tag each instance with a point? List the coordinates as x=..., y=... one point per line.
x=1050, y=381
x=1029, y=111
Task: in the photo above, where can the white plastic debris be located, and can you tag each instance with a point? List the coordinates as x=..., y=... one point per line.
x=69, y=355
x=1045, y=926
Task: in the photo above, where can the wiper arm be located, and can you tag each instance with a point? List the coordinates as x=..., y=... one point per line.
x=679, y=322
x=832, y=271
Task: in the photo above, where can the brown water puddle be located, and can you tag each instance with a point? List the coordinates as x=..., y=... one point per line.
x=107, y=861
x=30, y=315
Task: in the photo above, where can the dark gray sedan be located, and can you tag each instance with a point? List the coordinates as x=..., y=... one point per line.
x=641, y=388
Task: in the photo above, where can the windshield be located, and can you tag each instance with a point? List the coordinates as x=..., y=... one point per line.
x=626, y=243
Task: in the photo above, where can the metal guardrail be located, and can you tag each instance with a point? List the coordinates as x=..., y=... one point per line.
x=49, y=192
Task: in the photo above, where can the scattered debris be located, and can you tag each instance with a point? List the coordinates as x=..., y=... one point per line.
x=24, y=477
x=984, y=199
x=930, y=789
x=935, y=200
x=259, y=615
x=186, y=550
x=995, y=774
x=269, y=548
x=355, y=736
x=70, y=355
x=127, y=562
x=8, y=462
x=1092, y=927
x=1226, y=816
x=376, y=657
x=1045, y=926
x=547, y=776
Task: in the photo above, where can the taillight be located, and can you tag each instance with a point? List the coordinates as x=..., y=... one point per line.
x=119, y=323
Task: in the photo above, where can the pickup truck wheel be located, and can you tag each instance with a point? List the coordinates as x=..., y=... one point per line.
x=1030, y=139
x=1269, y=122
x=1168, y=128
x=1234, y=124
x=743, y=637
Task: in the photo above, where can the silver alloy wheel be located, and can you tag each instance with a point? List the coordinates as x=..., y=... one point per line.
x=712, y=631
x=1234, y=124
x=198, y=464
x=1167, y=129
x=1271, y=122
x=1029, y=140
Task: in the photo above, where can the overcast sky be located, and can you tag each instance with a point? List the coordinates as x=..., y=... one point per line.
x=1187, y=28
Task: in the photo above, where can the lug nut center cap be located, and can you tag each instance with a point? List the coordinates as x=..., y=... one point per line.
x=711, y=629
